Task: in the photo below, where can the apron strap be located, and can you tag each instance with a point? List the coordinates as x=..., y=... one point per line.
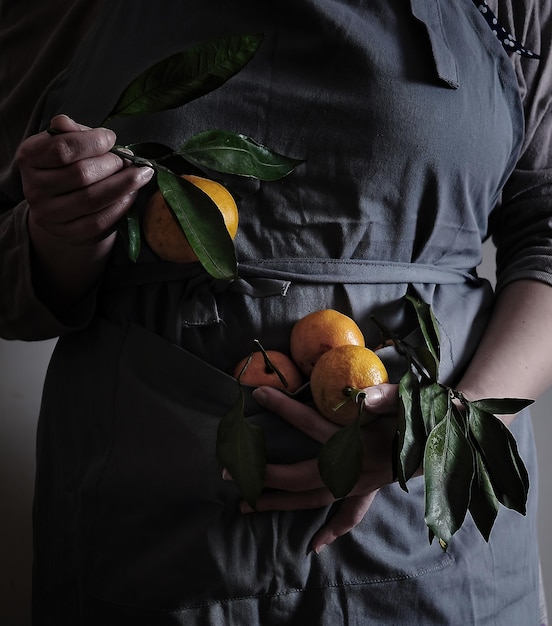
x=353, y=271
x=260, y=278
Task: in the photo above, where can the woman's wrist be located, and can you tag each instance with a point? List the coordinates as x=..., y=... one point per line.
x=63, y=273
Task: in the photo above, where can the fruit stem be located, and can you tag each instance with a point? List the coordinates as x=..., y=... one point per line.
x=352, y=393
x=245, y=366
x=270, y=367
x=402, y=347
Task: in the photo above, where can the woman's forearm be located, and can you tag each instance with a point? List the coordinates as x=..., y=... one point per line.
x=514, y=358
x=63, y=273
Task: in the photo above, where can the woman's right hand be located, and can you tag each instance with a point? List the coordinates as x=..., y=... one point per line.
x=299, y=485
x=76, y=189
x=77, y=192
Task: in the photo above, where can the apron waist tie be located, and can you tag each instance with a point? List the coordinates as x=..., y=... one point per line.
x=264, y=278
x=353, y=272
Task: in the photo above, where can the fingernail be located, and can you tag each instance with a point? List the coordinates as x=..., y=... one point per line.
x=373, y=395
x=146, y=173
x=226, y=475
x=319, y=548
x=260, y=395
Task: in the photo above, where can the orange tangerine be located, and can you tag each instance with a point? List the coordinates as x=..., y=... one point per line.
x=259, y=372
x=318, y=332
x=163, y=232
x=339, y=370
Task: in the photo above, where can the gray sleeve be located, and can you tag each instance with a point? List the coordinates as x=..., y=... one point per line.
x=37, y=40
x=522, y=224
x=22, y=314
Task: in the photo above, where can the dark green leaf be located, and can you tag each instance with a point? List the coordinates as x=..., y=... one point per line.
x=340, y=460
x=483, y=502
x=436, y=404
x=448, y=471
x=202, y=224
x=186, y=75
x=411, y=430
x=502, y=406
x=427, y=360
x=241, y=450
x=133, y=233
x=498, y=449
x=231, y=153
x=428, y=326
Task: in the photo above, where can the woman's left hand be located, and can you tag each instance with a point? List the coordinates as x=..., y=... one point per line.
x=299, y=485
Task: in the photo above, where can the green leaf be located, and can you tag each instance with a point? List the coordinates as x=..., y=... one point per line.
x=133, y=233
x=448, y=471
x=436, y=404
x=340, y=460
x=187, y=75
x=498, y=449
x=483, y=503
x=427, y=360
x=241, y=449
x=232, y=153
x=430, y=330
x=202, y=224
x=410, y=429
x=502, y=406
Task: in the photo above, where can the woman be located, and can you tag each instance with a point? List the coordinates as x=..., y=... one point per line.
x=420, y=136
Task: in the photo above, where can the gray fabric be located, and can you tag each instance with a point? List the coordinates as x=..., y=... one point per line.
x=410, y=127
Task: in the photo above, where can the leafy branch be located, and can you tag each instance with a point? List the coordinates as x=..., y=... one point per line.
x=470, y=458
x=172, y=83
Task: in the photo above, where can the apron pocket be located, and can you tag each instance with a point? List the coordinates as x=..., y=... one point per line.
x=168, y=535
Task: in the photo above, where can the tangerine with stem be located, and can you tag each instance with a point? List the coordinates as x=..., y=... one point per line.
x=338, y=378
x=320, y=331
x=163, y=232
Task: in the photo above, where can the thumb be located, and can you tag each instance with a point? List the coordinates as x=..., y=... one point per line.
x=382, y=398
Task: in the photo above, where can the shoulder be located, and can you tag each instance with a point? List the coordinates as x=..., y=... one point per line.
x=528, y=20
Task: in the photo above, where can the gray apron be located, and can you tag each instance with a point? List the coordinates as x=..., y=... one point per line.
x=134, y=524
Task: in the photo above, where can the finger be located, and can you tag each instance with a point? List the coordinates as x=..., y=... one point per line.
x=294, y=477
x=95, y=197
x=89, y=229
x=65, y=124
x=382, y=398
x=350, y=513
x=281, y=501
x=44, y=151
x=48, y=183
x=298, y=414
x=91, y=213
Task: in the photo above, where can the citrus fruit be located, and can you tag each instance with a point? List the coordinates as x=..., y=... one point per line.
x=318, y=332
x=259, y=372
x=162, y=231
x=336, y=371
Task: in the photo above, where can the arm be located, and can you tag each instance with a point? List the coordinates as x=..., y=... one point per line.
x=514, y=358
x=77, y=192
